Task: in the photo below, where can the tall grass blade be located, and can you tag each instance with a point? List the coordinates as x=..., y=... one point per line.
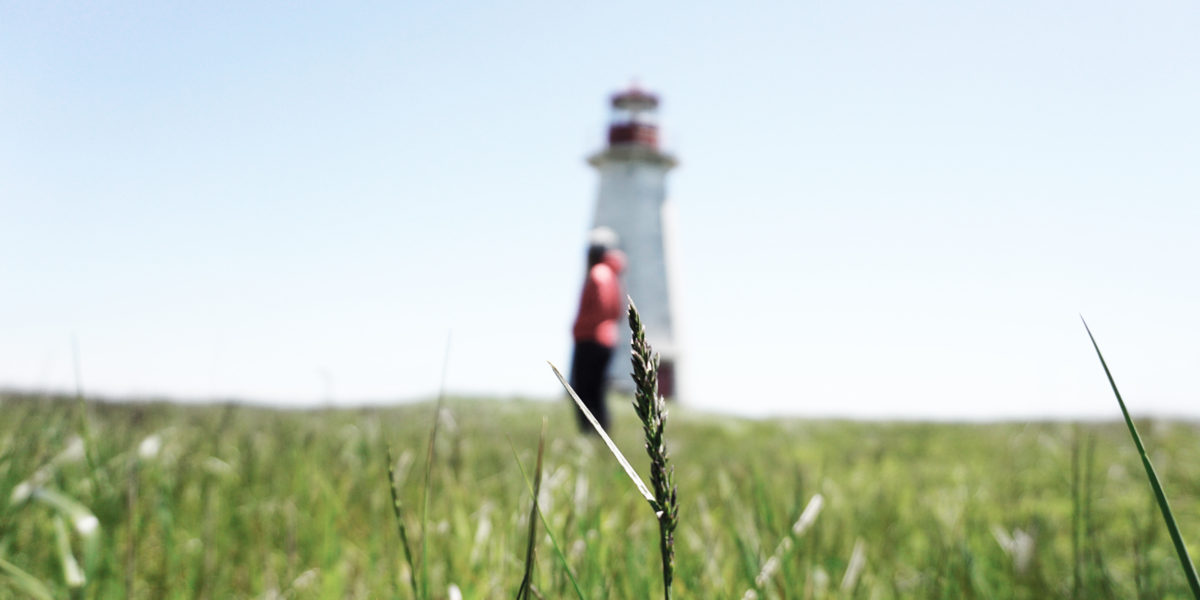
x=25, y=582
x=526, y=587
x=437, y=417
x=72, y=573
x=807, y=517
x=612, y=447
x=1076, y=517
x=1186, y=561
x=398, y=511
x=858, y=560
x=131, y=493
x=81, y=518
x=562, y=558
x=84, y=426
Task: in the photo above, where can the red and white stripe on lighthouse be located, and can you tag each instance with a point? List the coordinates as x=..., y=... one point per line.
x=632, y=201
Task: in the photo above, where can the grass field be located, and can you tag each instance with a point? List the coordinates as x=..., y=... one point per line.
x=239, y=502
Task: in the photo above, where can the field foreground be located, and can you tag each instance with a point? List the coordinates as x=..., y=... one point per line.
x=238, y=502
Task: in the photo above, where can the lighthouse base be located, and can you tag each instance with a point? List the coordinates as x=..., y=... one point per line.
x=666, y=379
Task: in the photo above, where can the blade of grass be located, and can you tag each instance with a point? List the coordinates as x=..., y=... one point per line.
x=612, y=447
x=1076, y=516
x=81, y=518
x=26, y=582
x=75, y=363
x=131, y=493
x=530, y=548
x=858, y=560
x=72, y=573
x=562, y=558
x=807, y=517
x=437, y=414
x=81, y=406
x=397, y=510
x=1186, y=561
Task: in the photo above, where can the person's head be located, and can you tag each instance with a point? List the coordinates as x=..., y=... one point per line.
x=595, y=255
x=600, y=241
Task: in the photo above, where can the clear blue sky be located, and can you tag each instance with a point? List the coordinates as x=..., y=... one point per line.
x=885, y=208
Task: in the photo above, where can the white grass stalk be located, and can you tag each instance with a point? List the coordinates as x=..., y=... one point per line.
x=858, y=560
x=612, y=447
x=72, y=573
x=149, y=447
x=807, y=517
x=81, y=518
x=1019, y=547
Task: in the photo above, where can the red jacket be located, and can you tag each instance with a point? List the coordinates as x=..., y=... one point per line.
x=601, y=303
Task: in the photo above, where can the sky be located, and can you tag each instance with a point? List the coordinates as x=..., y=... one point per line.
x=884, y=209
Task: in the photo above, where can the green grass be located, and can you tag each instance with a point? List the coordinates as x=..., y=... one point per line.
x=1160, y=496
x=242, y=502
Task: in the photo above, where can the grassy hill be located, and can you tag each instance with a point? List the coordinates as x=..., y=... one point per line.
x=240, y=502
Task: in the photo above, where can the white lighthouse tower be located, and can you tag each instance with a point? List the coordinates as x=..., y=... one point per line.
x=633, y=203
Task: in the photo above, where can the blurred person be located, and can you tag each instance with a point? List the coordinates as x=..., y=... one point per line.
x=601, y=304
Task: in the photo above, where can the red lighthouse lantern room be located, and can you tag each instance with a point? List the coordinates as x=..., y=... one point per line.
x=634, y=119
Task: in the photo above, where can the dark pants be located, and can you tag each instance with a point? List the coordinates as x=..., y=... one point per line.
x=589, y=377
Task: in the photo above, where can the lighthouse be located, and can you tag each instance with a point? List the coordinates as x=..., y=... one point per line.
x=632, y=201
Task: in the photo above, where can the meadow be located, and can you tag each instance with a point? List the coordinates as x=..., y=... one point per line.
x=232, y=501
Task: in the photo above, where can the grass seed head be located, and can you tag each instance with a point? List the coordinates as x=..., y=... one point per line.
x=651, y=409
